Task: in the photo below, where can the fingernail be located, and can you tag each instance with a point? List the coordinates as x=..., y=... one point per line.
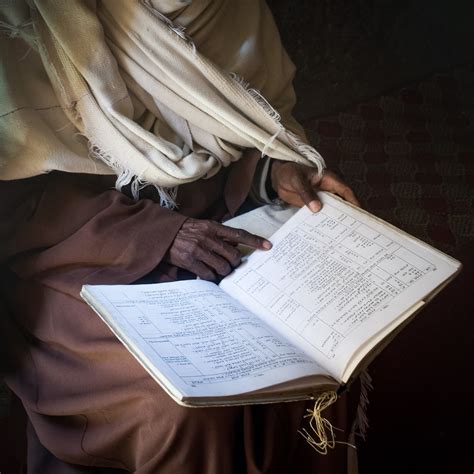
x=267, y=245
x=314, y=206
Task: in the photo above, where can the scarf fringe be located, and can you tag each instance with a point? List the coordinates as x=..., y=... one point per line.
x=307, y=151
x=177, y=29
x=272, y=139
x=361, y=423
x=126, y=177
x=168, y=196
x=298, y=144
x=25, y=31
x=257, y=97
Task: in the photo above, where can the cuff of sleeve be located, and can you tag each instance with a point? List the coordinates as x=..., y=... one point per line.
x=121, y=248
x=152, y=239
x=260, y=191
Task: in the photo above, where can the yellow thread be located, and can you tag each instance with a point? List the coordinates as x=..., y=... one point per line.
x=322, y=428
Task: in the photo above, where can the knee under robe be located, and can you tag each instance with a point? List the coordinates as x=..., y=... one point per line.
x=88, y=400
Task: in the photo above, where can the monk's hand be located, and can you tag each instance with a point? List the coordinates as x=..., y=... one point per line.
x=297, y=184
x=208, y=249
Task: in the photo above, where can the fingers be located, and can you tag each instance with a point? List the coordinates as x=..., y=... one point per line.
x=332, y=183
x=240, y=236
x=215, y=262
x=306, y=192
x=226, y=250
x=209, y=249
x=202, y=271
x=296, y=184
x=292, y=182
x=213, y=257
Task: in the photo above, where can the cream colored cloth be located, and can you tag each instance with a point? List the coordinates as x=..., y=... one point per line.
x=158, y=91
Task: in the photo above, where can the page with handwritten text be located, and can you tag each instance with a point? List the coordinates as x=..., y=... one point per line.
x=336, y=278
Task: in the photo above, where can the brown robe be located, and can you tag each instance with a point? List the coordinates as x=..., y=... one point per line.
x=88, y=400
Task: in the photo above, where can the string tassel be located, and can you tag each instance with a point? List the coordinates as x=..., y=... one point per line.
x=297, y=143
x=322, y=437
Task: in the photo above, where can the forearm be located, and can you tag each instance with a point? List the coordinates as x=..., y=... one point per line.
x=71, y=234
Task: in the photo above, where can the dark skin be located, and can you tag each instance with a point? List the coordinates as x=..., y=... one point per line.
x=209, y=249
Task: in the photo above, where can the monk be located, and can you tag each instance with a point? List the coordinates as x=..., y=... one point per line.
x=66, y=222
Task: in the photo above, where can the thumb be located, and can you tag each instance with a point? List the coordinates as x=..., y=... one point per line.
x=306, y=192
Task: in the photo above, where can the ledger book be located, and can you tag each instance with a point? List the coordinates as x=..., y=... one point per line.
x=304, y=317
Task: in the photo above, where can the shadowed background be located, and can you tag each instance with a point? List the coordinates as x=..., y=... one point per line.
x=386, y=94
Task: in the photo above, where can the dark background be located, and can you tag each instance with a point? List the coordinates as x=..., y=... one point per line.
x=386, y=93
x=350, y=51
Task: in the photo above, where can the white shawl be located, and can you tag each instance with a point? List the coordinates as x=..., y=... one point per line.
x=160, y=92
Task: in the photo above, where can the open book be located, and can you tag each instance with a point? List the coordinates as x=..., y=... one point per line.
x=288, y=323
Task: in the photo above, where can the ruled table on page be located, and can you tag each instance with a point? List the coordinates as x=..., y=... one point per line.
x=331, y=273
x=198, y=336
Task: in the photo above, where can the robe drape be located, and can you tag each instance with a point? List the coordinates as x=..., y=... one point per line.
x=88, y=400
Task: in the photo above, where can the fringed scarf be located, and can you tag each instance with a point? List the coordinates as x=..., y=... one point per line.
x=159, y=92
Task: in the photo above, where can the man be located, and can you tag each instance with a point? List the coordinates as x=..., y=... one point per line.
x=185, y=140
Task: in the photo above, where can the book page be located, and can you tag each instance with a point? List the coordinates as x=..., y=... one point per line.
x=196, y=340
x=263, y=221
x=335, y=279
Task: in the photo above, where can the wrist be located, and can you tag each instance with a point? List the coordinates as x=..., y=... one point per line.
x=270, y=182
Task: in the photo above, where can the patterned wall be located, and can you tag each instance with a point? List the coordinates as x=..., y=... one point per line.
x=409, y=155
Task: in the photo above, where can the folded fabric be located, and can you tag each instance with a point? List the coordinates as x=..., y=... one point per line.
x=118, y=87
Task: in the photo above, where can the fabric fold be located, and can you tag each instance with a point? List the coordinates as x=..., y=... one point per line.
x=101, y=63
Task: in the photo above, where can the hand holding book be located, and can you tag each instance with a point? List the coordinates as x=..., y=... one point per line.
x=297, y=184
x=288, y=323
